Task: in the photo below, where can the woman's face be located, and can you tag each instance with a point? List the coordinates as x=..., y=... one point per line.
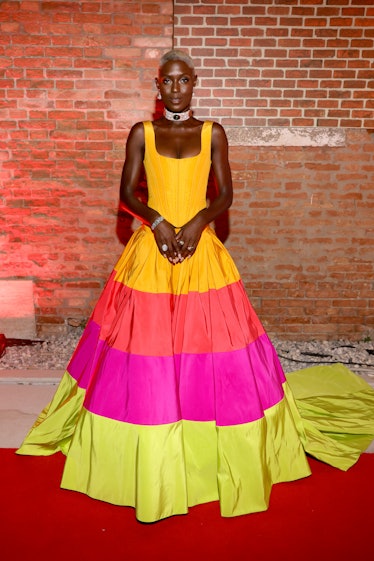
x=175, y=82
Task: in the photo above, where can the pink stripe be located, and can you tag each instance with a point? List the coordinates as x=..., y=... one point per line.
x=229, y=388
x=83, y=362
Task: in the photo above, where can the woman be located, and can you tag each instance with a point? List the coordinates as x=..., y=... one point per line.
x=178, y=136
x=174, y=395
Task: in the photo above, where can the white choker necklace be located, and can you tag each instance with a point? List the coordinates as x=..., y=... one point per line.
x=184, y=116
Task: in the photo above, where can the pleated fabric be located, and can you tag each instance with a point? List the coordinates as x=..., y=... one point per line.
x=337, y=411
x=175, y=395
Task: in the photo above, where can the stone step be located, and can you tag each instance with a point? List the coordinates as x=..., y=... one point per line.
x=17, y=312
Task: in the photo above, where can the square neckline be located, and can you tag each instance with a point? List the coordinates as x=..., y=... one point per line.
x=171, y=157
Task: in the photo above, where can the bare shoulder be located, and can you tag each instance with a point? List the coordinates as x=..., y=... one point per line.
x=219, y=138
x=136, y=136
x=137, y=131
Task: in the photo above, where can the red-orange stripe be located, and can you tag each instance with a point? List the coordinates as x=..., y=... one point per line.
x=164, y=324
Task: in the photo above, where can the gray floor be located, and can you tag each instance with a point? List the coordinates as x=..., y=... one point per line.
x=23, y=395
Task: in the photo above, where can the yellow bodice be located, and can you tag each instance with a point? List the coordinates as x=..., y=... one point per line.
x=177, y=186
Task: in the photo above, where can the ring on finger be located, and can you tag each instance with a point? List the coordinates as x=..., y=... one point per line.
x=190, y=247
x=181, y=242
x=164, y=247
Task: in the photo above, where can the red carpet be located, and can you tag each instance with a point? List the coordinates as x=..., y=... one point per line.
x=328, y=516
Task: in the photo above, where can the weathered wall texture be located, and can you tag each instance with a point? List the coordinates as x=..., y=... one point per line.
x=292, y=82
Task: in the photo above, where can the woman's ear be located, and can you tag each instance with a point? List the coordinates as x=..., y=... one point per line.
x=158, y=88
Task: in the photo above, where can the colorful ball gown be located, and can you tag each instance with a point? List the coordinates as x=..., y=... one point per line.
x=175, y=395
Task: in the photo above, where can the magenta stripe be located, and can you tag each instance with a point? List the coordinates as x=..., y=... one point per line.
x=83, y=361
x=230, y=388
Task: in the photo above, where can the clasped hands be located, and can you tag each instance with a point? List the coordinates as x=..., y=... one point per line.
x=176, y=246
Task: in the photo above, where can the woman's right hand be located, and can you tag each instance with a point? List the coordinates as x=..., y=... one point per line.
x=164, y=234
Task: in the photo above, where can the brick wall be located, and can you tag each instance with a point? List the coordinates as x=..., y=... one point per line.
x=302, y=233
x=301, y=226
x=76, y=75
x=274, y=63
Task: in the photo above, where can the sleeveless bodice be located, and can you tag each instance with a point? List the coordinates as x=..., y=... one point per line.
x=177, y=186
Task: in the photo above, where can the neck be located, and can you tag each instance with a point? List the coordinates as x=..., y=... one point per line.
x=183, y=116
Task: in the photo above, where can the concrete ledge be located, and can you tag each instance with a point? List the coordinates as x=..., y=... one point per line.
x=30, y=376
x=286, y=136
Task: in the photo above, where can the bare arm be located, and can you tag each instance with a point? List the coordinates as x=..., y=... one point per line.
x=164, y=233
x=131, y=173
x=222, y=172
x=191, y=232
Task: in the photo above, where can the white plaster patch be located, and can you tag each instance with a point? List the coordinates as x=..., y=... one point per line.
x=286, y=136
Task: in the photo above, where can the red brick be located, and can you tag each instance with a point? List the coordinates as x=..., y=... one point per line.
x=272, y=214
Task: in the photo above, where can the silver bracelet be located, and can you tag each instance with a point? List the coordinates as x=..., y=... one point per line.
x=157, y=222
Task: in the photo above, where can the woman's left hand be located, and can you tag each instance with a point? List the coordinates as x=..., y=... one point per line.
x=189, y=235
